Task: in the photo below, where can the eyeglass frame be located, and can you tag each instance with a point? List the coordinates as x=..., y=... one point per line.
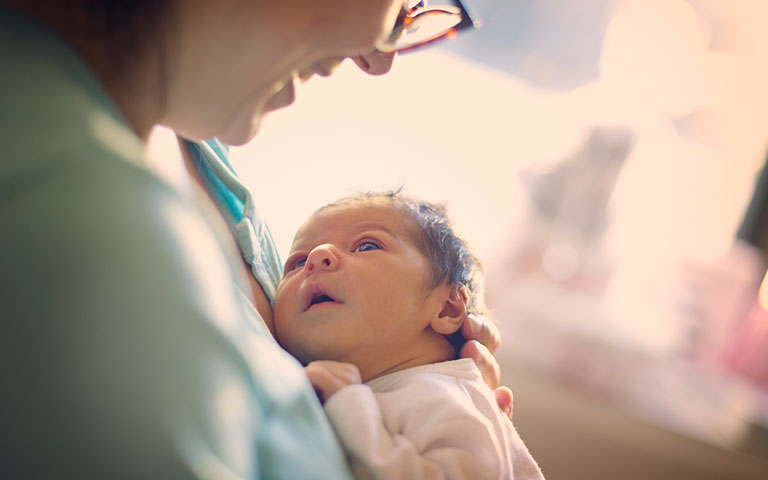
x=468, y=20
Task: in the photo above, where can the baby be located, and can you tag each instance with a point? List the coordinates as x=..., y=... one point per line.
x=373, y=288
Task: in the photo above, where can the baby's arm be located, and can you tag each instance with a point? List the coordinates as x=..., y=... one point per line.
x=444, y=437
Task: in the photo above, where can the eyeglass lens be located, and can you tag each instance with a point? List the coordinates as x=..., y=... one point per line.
x=424, y=23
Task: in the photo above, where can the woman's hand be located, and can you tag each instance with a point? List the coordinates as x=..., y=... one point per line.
x=483, y=337
x=328, y=377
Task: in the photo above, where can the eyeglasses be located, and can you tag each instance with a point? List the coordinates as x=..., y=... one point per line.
x=423, y=22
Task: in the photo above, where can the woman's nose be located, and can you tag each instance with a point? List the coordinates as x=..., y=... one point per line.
x=323, y=258
x=374, y=63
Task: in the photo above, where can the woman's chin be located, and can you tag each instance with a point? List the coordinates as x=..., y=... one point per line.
x=241, y=132
x=245, y=127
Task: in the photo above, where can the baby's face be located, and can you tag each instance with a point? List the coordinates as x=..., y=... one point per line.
x=355, y=287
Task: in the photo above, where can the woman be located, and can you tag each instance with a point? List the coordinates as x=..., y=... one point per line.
x=127, y=347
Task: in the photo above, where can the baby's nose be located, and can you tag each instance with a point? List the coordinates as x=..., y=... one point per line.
x=322, y=257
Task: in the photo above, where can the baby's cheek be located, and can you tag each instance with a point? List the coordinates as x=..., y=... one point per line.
x=280, y=312
x=281, y=330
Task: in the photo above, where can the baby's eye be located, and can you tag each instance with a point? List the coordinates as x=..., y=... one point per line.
x=367, y=245
x=300, y=263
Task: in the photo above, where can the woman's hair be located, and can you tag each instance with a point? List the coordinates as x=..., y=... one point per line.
x=123, y=24
x=114, y=37
x=449, y=255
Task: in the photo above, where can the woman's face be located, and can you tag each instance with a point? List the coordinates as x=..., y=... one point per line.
x=232, y=61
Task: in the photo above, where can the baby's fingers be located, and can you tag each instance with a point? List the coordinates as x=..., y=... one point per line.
x=328, y=377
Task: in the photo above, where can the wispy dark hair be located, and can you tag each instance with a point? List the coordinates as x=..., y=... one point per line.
x=126, y=28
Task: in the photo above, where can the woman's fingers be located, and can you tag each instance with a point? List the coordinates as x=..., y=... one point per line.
x=482, y=329
x=505, y=400
x=486, y=363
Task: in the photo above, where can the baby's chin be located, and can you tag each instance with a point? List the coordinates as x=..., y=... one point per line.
x=306, y=354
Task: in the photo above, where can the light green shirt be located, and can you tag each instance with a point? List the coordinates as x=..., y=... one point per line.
x=126, y=350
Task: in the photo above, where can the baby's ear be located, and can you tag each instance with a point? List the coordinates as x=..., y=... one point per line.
x=454, y=310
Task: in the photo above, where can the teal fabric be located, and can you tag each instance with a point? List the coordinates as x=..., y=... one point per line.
x=234, y=198
x=230, y=203
x=126, y=348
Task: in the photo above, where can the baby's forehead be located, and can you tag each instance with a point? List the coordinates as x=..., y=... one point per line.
x=349, y=216
x=379, y=207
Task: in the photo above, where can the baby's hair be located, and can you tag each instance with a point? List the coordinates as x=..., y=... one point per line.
x=449, y=255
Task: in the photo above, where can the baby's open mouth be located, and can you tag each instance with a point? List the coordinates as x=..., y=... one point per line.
x=321, y=298
x=316, y=295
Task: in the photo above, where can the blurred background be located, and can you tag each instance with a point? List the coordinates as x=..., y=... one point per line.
x=604, y=158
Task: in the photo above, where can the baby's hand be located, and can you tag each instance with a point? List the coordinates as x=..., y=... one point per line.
x=328, y=377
